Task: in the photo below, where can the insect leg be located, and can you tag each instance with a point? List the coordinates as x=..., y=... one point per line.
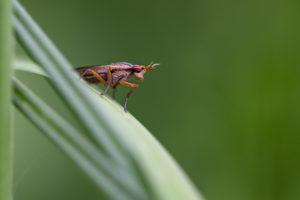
x=128, y=84
x=109, y=81
x=127, y=97
x=96, y=75
x=82, y=74
x=105, y=91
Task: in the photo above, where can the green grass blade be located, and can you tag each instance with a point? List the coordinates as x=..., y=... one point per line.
x=100, y=168
x=75, y=97
x=27, y=66
x=85, y=113
x=6, y=167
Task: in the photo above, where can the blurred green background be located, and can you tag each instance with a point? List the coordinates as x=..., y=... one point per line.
x=224, y=102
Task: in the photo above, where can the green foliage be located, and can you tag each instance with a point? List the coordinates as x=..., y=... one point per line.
x=112, y=147
x=5, y=94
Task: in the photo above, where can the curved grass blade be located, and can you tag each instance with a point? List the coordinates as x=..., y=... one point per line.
x=101, y=169
x=27, y=66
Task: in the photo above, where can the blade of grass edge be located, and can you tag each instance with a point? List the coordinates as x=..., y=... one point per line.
x=100, y=169
x=6, y=133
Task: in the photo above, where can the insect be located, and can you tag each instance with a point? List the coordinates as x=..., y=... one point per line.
x=114, y=74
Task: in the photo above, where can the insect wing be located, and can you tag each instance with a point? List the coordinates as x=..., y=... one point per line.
x=122, y=63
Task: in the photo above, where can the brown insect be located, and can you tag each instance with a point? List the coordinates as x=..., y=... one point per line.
x=114, y=74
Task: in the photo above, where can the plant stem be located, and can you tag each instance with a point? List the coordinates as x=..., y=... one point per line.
x=6, y=143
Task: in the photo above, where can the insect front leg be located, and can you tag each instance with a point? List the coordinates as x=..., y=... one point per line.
x=109, y=81
x=127, y=97
x=128, y=84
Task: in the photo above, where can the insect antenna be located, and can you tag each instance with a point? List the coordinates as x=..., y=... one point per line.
x=155, y=64
x=151, y=66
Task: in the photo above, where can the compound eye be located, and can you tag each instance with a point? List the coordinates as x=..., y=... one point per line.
x=137, y=68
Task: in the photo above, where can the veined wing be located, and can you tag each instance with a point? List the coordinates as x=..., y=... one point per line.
x=121, y=65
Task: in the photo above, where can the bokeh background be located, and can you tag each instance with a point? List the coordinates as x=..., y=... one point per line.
x=225, y=101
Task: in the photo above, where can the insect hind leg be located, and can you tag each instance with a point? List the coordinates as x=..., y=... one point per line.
x=95, y=74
